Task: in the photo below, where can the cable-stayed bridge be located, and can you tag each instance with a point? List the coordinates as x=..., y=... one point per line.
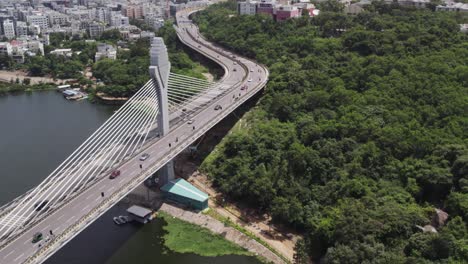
x=162, y=119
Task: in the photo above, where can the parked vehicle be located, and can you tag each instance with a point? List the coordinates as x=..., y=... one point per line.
x=124, y=218
x=37, y=237
x=117, y=221
x=114, y=174
x=144, y=156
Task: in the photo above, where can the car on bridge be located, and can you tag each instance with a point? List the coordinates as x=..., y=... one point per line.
x=37, y=237
x=218, y=107
x=114, y=174
x=190, y=121
x=144, y=156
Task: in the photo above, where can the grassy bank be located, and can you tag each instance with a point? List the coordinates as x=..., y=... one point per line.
x=10, y=88
x=184, y=237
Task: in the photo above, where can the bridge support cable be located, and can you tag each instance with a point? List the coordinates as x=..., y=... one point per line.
x=188, y=95
x=135, y=132
x=189, y=83
x=106, y=156
x=60, y=184
x=22, y=213
x=182, y=101
x=189, y=88
x=38, y=193
x=183, y=77
x=194, y=101
x=210, y=94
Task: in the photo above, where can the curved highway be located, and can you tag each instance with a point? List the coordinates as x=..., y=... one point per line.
x=242, y=79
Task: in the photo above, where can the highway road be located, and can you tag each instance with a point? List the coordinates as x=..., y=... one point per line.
x=75, y=215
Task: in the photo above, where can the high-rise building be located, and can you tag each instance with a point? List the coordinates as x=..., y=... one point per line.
x=39, y=20
x=21, y=29
x=8, y=29
x=95, y=29
x=247, y=8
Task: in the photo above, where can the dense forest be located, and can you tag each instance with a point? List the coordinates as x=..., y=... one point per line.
x=361, y=133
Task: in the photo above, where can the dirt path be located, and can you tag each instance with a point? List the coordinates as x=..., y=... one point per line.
x=227, y=232
x=7, y=76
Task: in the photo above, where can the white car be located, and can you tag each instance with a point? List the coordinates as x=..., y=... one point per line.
x=144, y=157
x=250, y=80
x=190, y=122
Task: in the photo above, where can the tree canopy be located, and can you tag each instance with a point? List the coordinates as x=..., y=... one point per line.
x=361, y=133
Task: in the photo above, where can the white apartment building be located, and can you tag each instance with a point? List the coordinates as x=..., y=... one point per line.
x=6, y=49
x=8, y=29
x=56, y=18
x=118, y=20
x=105, y=51
x=247, y=8
x=39, y=20
x=453, y=7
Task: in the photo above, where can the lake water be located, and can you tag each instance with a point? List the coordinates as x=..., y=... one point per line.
x=37, y=132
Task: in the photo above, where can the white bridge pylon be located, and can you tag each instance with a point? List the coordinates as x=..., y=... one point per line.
x=124, y=134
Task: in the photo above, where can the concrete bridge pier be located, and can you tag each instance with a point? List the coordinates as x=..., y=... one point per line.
x=159, y=70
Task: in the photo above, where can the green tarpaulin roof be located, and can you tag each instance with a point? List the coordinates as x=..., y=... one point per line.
x=182, y=188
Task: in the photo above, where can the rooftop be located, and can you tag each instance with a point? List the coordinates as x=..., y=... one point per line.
x=139, y=211
x=183, y=188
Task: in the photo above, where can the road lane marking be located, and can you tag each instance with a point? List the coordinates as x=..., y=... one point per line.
x=69, y=219
x=45, y=228
x=20, y=256
x=60, y=217
x=10, y=253
x=89, y=196
x=85, y=208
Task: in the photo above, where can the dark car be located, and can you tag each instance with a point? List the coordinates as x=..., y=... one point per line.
x=114, y=174
x=37, y=237
x=218, y=107
x=41, y=205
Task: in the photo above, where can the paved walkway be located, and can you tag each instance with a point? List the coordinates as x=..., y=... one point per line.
x=217, y=227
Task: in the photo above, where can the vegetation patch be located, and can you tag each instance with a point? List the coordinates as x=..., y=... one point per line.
x=361, y=132
x=184, y=237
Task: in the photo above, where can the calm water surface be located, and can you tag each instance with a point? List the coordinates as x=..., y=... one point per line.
x=37, y=132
